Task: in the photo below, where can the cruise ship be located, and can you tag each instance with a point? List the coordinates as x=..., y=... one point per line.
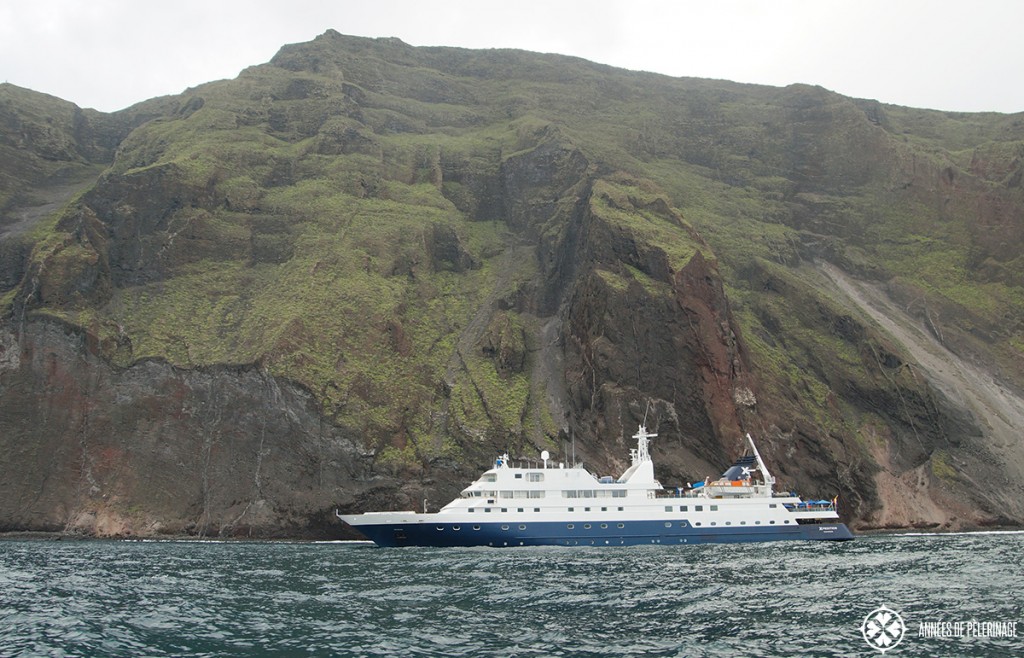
x=549, y=504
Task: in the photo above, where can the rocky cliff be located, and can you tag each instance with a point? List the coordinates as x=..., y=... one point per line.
x=350, y=276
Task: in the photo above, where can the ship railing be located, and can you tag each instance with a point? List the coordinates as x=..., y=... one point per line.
x=811, y=506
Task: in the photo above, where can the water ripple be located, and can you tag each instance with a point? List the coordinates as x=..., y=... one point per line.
x=249, y=599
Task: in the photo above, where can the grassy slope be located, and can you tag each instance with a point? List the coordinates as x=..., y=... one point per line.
x=325, y=277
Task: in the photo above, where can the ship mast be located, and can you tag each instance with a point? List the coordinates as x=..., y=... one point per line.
x=769, y=481
x=641, y=452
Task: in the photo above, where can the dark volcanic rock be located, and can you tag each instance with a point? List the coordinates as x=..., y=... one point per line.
x=153, y=449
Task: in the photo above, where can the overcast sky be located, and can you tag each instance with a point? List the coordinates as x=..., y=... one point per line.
x=964, y=55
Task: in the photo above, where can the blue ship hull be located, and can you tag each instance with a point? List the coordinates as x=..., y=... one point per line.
x=578, y=534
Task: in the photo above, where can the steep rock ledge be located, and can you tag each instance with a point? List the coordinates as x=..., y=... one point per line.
x=153, y=449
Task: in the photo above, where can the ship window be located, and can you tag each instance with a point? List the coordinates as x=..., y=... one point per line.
x=520, y=509
x=604, y=525
x=440, y=527
x=697, y=523
x=504, y=509
x=586, y=526
x=569, y=493
x=621, y=525
x=604, y=509
x=519, y=476
x=620, y=509
x=757, y=523
x=682, y=524
x=534, y=477
x=487, y=509
x=713, y=523
x=504, y=527
x=668, y=524
x=714, y=508
x=456, y=528
x=536, y=509
x=698, y=508
x=472, y=509
x=476, y=527
x=536, y=494
x=728, y=523
x=569, y=526
x=522, y=527
x=506, y=494
x=682, y=508
x=572, y=509
x=786, y=521
x=668, y=508
x=619, y=493
x=743, y=523
x=489, y=477
x=772, y=505
x=586, y=509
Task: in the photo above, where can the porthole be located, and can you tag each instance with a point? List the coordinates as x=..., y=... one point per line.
x=440, y=527
x=476, y=527
x=621, y=525
x=586, y=526
x=504, y=527
x=668, y=524
x=455, y=527
x=570, y=526
x=604, y=526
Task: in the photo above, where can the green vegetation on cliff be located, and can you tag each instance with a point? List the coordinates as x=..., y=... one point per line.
x=392, y=228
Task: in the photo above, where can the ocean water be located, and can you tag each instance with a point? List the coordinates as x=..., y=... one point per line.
x=176, y=598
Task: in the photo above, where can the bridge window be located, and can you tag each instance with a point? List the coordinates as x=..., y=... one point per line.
x=489, y=477
x=534, y=477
